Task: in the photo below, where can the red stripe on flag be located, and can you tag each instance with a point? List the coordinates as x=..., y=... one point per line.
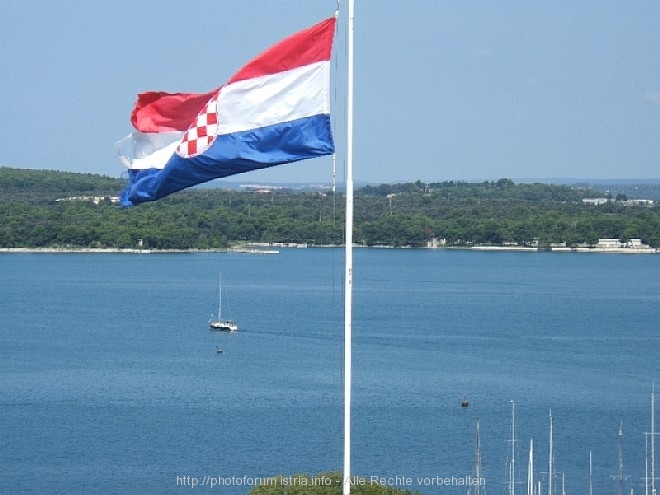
x=306, y=47
x=157, y=111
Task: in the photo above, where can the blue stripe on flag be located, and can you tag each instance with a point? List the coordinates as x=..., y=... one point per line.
x=235, y=153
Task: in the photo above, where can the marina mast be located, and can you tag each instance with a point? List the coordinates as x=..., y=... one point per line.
x=591, y=476
x=646, y=450
x=530, y=469
x=653, y=492
x=512, y=465
x=551, y=473
x=620, y=472
x=477, y=461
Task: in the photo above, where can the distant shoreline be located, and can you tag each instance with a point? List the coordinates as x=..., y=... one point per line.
x=133, y=251
x=262, y=250
x=571, y=250
x=106, y=250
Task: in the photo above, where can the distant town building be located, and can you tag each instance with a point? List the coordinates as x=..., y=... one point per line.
x=627, y=202
x=637, y=202
x=594, y=201
x=94, y=199
x=435, y=243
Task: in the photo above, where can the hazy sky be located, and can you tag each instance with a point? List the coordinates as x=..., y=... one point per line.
x=444, y=89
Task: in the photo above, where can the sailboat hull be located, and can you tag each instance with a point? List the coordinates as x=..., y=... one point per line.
x=223, y=326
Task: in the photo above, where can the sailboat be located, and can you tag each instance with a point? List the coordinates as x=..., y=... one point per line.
x=221, y=324
x=512, y=464
x=474, y=490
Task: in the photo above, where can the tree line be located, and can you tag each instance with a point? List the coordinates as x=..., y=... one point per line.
x=48, y=209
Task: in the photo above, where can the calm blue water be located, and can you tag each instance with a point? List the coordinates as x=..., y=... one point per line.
x=109, y=382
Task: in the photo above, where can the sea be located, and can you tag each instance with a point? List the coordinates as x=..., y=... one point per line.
x=110, y=381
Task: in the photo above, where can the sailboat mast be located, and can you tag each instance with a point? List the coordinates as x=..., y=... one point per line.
x=512, y=466
x=477, y=460
x=646, y=463
x=220, y=297
x=620, y=473
x=551, y=473
x=591, y=476
x=530, y=469
x=348, y=295
x=653, y=492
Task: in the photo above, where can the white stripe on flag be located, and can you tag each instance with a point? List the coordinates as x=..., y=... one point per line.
x=142, y=150
x=274, y=99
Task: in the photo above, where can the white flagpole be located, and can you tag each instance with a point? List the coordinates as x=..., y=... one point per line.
x=349, y=257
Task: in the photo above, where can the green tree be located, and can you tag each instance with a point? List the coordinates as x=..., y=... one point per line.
x=323, y=484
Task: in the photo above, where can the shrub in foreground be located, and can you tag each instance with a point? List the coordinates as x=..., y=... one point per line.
x=322, y=484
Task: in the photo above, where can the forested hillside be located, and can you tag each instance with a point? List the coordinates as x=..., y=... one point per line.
x=39, y=185
x=60, y=209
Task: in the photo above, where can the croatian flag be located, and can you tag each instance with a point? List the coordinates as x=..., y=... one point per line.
x=275, y=110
